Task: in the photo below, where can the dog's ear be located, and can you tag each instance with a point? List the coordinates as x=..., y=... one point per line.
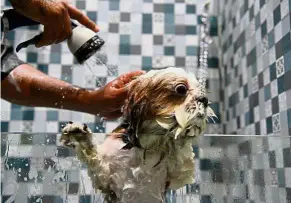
x=137, y=104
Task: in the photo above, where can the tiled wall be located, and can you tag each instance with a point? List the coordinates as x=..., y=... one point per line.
x=255, y=47
x=249, y=169
x=139, y=34
x=256, y=52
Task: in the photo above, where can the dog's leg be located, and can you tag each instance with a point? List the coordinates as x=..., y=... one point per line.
x=79, y=137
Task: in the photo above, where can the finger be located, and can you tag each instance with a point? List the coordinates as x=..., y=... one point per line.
x=67, y=28
x=121, y=81
x=48, y=38
x=81, y=18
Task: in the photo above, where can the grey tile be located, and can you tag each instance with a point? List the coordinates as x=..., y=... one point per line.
x=135, y=49
x=180, y=61
x=113, y=27
x=125, y=17
x=158, y=39
x=180, y=29
x=158, y=8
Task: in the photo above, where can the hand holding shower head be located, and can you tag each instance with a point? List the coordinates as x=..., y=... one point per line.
x=83, y=43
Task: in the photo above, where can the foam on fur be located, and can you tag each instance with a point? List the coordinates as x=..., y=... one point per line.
x=165, y=125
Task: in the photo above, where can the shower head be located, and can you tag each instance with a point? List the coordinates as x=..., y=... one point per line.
x=83, y=43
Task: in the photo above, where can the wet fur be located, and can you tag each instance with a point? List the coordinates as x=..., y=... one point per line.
x=143, y=174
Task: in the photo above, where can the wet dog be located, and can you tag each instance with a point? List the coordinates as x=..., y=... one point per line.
x=151, y=150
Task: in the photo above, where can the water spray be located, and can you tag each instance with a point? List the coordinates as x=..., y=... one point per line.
x=204, y=42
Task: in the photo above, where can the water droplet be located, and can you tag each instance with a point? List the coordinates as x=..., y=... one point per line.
x=56, y=104
x=19, y=170
x=63, y=97
x=25, y=179
x=26, y=164
x=47, y=140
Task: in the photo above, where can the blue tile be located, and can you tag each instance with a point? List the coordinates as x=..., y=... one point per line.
x=43, y=68
x=28, y=115
x=267, y=92
x=196, y=151
x=271, y=38
x=191, y=51
x=124, y=49
x=264, y=29
x=269, y=125
x=191, y=9
x=212, y=62
x=52, y=115
x=85, y=199
x=257, y=21
x=169, y=18
x=92, y=15
x=146, y=63
x=254, y=70
x=213, y=26
x=31, y=57
x=114, y=5
x=191, y=30
x=281, y=177
x=286, y=43
x=169, y=29
x=58, y=200
x=147, y=23
x=169, y=51
x=287, y=61
x=215, y=107
x=124, y=39
x=169, y=8
x=277, y=15
x=23, y=163
x=281, y=84
x=4, y=126
x=205, y=199
x=55, y=58
x=16, y=114
x=273, y=74
x=205, y=164
x=245, y=91
x=289, y=117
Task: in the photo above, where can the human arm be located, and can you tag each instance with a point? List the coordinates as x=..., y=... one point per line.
x=27, y=86
x=55, y=15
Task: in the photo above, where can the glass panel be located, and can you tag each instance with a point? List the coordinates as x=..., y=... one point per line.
x=37, y=168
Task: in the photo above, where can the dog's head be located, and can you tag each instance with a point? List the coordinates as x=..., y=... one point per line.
x=172, y=99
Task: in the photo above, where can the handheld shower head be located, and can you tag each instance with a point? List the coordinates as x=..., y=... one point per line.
x=83, y=43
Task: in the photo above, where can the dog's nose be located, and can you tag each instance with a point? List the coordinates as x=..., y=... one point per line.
x=203, y=100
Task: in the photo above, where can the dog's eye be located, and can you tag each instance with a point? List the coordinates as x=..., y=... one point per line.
x=181, y=89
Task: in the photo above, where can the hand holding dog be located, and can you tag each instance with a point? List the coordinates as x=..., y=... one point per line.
x=113, y=95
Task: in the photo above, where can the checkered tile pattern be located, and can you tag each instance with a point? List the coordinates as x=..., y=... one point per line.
x=245, y=169
x=140, y=34
x=256, y=50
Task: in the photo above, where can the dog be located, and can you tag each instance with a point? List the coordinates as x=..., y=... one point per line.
x=151, y=150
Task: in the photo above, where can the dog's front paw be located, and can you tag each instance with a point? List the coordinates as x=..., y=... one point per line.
x=73, y=134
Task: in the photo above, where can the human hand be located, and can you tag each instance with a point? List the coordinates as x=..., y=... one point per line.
x=113, y=95
x=56, y=17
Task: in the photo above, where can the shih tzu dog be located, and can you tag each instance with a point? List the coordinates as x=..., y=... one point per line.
x=151, y=151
